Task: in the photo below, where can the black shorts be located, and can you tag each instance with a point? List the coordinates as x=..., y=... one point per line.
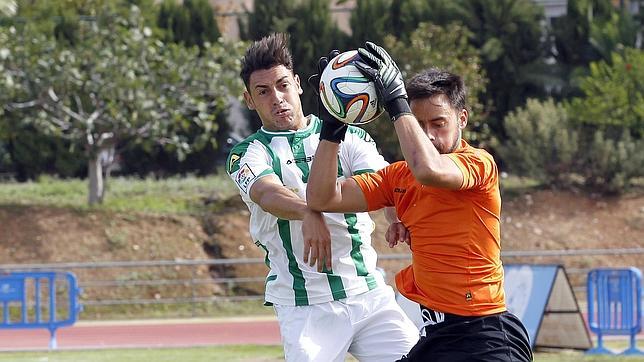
x=452, y=338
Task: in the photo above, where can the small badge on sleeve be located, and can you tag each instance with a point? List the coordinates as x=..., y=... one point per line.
x=244, y=177
x=231, y=163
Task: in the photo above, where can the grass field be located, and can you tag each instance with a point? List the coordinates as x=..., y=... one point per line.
x=227, y=353
x=231, y=353
x=177, y=195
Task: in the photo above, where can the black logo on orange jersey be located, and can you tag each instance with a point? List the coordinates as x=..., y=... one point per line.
x=400, y=190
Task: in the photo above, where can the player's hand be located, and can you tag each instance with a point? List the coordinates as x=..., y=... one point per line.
x=317, y=241
x=332, y=129
x=397, y=233
x=381, y=68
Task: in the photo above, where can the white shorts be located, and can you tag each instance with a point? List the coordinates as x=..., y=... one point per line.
x=370, y=326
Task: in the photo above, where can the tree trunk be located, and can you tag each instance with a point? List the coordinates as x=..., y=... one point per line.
x=96, y=185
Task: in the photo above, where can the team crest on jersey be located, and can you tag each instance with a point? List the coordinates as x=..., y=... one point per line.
x=244, y=177
x=233, y=159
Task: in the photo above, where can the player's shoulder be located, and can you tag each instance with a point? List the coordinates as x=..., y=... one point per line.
x=240, y=149
x=477, y=152
x=242, y=146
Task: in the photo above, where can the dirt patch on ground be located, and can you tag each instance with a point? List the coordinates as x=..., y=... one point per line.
x=54, y=235
x=541, y=220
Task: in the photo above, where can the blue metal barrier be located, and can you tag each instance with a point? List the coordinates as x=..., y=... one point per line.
x=615, y=306
x=39, y=300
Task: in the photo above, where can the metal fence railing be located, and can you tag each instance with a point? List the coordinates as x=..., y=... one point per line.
x=210, y=281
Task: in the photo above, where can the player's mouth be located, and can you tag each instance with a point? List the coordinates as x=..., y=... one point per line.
x=283, y=112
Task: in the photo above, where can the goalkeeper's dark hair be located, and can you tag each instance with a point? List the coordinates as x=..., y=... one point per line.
x=268, y=52
x=433, y=81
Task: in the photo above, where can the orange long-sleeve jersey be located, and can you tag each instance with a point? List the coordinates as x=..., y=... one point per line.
x=455, y=238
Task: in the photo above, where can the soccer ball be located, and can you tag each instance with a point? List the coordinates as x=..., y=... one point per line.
x=346, y=93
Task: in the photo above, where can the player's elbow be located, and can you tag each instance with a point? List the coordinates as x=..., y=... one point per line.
x=316, y=200
x=425, y=175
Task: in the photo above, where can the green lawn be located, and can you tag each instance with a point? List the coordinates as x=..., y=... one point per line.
x=177, y=195
x=224, y=353
x=229, y=353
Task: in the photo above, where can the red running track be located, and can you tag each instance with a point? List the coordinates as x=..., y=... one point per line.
x=146, y=334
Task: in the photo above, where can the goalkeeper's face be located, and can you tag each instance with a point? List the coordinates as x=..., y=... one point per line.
x=441, y=122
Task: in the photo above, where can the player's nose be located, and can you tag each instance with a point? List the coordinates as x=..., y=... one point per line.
x=278, y=98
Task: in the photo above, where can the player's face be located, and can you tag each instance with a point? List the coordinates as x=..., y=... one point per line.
x=275, y=94
x=440, y=121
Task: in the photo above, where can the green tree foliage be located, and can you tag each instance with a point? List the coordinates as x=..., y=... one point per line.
x=571, y=32
x=369, y=21
x=590, y=31
x=443, y=47
x=616, y=33
x=25, y=152
x=542, y=143
x=406, y=15
x=611, y=163
x=60, y=19
x=613, y=95
x=190, y=23
x=117, y=84
x=267, y=17
x=509, y=35
x=596, y=139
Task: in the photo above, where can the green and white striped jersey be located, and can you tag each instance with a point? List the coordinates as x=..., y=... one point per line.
x=288, y=155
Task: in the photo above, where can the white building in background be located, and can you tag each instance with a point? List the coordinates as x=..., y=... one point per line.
x=553, y=8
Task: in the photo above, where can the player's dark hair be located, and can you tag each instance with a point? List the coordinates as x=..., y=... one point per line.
x=433, y=81
x=268, y=52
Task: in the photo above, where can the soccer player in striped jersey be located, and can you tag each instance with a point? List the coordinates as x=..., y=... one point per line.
x=327, y=294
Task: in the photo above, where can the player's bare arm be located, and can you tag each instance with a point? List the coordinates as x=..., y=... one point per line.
x=427, y=165
x=269, y=193
x=324, y=191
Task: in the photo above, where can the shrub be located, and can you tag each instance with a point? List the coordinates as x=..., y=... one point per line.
x=541, y=143
x=611, y=163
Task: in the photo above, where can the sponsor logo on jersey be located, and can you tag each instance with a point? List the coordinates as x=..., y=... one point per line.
x=244, y=177
x=400, y=190
x=306, y=159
